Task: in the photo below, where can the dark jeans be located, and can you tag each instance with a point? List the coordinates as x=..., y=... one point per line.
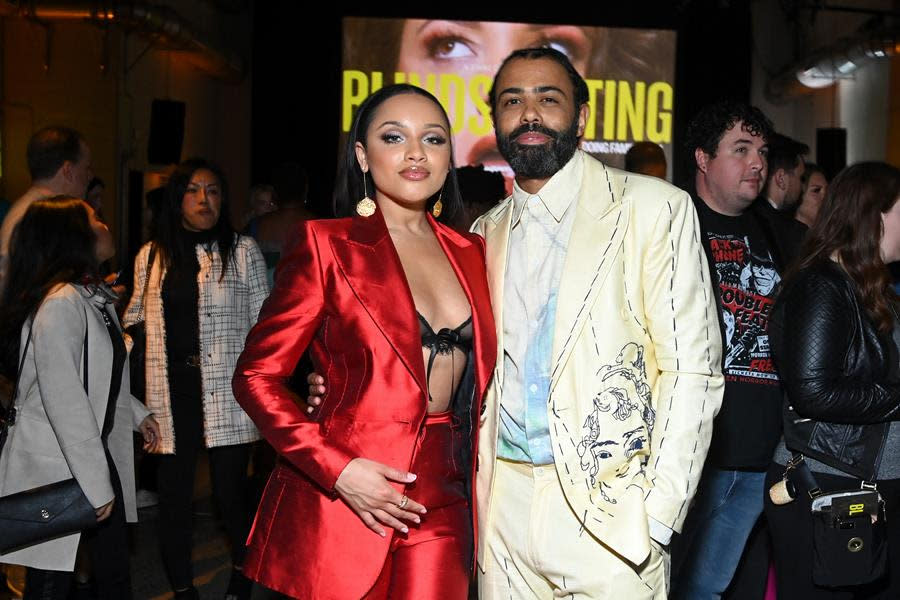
x=709, y=549
x=792, y=530
x=228, y=471
x=107, y=545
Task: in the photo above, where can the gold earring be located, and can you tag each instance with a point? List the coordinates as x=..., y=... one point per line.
x=366, y=206
x=438, y=206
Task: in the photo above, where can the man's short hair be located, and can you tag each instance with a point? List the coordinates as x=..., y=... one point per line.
x=642, y=155
x=578, y=83
x=49, y=148
x=785, y=153
x=706, y=129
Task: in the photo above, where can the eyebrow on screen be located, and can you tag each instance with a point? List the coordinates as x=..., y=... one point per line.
x=474, y=25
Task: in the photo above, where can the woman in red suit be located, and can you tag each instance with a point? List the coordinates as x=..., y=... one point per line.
x=372, y=496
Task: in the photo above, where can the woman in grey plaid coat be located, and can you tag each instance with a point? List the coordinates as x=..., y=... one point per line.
x=201, y=296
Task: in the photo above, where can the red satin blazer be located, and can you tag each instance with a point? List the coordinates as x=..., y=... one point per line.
x=341, y=291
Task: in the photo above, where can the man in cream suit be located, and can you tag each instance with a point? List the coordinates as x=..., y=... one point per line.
x=608, y=375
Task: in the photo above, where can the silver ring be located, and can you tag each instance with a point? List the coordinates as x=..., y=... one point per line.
x=403, y=502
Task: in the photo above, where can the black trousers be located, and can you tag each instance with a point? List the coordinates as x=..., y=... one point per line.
x=228, y=471
x=791, y=529
x=107, y=545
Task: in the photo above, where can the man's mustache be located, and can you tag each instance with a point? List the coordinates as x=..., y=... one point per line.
x=533, y=128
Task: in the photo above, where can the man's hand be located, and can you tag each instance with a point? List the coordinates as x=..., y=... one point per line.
x=316, y=391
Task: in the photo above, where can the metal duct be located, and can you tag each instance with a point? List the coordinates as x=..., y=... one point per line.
x=837, y=61
x=163, y=25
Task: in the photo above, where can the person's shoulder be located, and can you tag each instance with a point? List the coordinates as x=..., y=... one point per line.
x=326, y=227
x=642, y=189
x=786, y=224
x=17, y=210
x=317, y=232
x=818, y=281
x=497, y=210
x=650, y=196
x=242, y=241
x=763, y=208
x=823, y=269
x=64, y=298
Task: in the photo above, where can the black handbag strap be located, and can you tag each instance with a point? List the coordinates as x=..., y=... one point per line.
x=802, y=477
x=84, y=355
x=15, y=389
x=9, y=411
x=151, y=256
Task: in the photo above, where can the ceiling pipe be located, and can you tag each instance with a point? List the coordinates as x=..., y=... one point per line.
x=163, y=25
x=835, y=62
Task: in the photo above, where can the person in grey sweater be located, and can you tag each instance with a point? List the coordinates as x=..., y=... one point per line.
x=74, y=411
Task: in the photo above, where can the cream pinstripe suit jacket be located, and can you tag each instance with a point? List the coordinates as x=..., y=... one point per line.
x=636, y=378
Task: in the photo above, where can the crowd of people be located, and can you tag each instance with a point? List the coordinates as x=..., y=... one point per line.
x=610, y=387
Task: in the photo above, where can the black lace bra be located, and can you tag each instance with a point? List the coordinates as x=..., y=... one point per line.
x=443, y=342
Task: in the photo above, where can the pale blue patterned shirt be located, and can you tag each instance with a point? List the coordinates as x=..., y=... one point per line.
x=541, y=226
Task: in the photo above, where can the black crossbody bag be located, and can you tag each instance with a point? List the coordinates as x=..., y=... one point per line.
x=850, y=545
x=49, y=511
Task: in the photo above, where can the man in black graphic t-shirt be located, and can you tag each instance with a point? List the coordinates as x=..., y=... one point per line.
x=746, y=275
x=746, y=258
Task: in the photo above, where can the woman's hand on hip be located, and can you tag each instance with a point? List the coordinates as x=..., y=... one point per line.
x=364, y=486
x=149, y=429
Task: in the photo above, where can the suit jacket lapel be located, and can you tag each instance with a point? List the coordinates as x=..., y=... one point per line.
x=596, y=239
x=372, y=267
x=496, y=236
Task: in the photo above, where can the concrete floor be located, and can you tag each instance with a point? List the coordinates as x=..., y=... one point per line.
x=212, y=564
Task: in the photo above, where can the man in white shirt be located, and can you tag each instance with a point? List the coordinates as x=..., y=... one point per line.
x=608, y=378
x=59, y=161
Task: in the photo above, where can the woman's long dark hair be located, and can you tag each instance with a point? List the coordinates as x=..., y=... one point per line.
x=52, y=244
x=349, y=188
x=169, y=226
x=849, y=225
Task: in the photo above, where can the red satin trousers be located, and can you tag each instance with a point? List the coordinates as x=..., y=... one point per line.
x=433, y=560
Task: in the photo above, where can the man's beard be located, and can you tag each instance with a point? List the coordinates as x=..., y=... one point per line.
x=538, y=161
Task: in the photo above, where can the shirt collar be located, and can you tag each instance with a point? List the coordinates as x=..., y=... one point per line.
x=98, y=294
x=556, y=195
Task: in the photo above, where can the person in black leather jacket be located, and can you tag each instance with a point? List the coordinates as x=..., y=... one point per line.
x=834, y=333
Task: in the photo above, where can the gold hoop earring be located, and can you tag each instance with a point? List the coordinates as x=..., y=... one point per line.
x=366, y=206
x=438, y=206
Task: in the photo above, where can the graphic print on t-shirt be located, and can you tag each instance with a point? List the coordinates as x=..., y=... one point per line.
x=747, y=283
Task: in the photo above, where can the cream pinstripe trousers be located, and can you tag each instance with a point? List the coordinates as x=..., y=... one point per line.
x=536, y=548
